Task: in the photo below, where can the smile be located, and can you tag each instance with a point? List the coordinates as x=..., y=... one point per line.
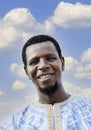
x=45, y=76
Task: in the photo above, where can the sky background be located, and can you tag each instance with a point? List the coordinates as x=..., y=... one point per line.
x=68, y=21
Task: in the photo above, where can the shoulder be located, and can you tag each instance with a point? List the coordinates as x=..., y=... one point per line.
x=77, y=105
x=23, y=113
x=80, y=102
x=16, y=119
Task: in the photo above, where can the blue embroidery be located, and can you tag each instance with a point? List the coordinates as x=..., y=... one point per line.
x=75, y=115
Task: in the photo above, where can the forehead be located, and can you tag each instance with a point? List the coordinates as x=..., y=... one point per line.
x=39, y=49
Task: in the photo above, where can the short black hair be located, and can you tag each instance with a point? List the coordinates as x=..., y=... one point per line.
x=38, y=39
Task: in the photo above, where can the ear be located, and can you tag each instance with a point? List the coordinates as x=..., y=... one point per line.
x=25, y=68
x=63, y=63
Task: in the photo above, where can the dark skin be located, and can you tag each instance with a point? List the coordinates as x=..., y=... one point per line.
x=55, y=98
x=44, y=68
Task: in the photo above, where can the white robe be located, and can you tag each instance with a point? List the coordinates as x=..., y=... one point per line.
x=72, y=114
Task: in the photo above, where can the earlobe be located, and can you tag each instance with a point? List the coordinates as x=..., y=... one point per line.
x=63, y=63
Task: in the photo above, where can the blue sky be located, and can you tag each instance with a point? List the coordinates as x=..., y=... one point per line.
x=67, y=21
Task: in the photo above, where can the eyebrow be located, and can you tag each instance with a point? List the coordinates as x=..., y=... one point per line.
x=38, y=57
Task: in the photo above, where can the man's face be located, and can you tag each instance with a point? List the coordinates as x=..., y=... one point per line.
x=44, y=67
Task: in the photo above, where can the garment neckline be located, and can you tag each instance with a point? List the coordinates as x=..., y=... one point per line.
x=55, y=104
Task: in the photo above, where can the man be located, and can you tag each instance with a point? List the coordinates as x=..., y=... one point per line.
x=56, y=109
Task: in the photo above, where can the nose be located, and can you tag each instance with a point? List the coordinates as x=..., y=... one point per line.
x=43, y=65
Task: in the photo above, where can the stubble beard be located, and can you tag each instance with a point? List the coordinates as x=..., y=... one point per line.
x=50, y=90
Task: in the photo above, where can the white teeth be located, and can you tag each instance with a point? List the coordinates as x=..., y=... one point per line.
x=44, y=76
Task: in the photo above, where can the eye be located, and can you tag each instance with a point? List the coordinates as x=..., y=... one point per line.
x=34, y=62
x=51, y=58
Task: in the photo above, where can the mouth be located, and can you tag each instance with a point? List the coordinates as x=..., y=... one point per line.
x=45, y=76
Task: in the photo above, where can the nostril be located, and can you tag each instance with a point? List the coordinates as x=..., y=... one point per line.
x=44, y=67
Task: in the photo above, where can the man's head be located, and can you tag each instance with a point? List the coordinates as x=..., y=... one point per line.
x=38, y=39
x=43, y=63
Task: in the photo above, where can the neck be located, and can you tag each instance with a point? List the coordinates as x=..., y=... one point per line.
x=59, y=96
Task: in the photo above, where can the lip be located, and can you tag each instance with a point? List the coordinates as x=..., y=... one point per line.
x=45, y=74
x=45, y=77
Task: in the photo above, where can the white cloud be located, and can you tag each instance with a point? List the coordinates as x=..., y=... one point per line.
x=1, y=93
x=19, y=24
x=76, y=90
x=84, y=68
x=8, y=34
x=21, y=20
x=87, y=92
x=17, y=69
x=83, y=71
x=18, y=85
x=19, y=16
x=49, y=26
x=86, y=57
x=70, y=63
x=70, y=15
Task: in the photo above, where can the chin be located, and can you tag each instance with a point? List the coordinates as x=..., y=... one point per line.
x=48, y=89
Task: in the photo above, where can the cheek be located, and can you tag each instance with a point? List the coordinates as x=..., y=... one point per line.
x=58, y=70
x=57, y=67
x=32, y=72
